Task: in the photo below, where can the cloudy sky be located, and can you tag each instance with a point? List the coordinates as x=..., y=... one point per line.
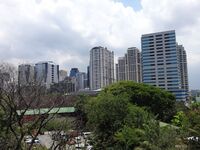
x=65, y=30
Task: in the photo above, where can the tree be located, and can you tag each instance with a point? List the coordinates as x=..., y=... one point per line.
x=118, y=124
x=158, y=101
x=180, y=120
x=105, y=117
x=81, y=118
x=15, y=100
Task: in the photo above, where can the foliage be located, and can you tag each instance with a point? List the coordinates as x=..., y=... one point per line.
x=189, y=122
x=158, y=101
x=180, y=120
x=180, y=106
x=58, y=124
x=15, y=100
x=118, y=124
x=105, y=116
x=81, y=112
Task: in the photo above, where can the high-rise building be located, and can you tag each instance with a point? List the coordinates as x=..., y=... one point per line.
x=88, y=77
x=101, y=67
x=121, y=70
x=73, y=72
x=160, y=62
x=182, y=57
x=25, y=74
x=62, y=75
x=81, y=81
x=47, y=73
x=129, y=66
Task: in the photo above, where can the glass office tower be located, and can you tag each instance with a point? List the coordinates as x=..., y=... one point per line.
x=160, y=62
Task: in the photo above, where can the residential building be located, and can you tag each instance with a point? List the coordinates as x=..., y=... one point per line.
x=129, y=66
x=88, y=77
x=81, y=81
x=160, y=62
x=47, y=73
x=101, y=67
x=62, y=75
x=121, y=69
x=182, y=57
x=68, y=85
x=25, y=74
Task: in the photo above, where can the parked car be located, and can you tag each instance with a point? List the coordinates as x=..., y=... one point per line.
x=30, y=139
x=79, y=145
x=86, y=134
x=193, y=138
x=59, y=136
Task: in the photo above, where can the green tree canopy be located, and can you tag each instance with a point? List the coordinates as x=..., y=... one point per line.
x=158, y=101
x=118, y=124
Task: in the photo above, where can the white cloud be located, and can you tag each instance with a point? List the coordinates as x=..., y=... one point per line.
x=65, y=30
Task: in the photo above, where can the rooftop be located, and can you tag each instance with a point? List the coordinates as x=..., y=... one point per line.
x=47, y=111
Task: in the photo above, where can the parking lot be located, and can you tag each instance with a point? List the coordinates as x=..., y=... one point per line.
x=78, y=142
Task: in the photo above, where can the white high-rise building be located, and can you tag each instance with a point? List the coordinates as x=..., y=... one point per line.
x=121, y=69
x=47, y=73
x=101, y=67
x=129, y=66
x=81, y=81
x=25, y=74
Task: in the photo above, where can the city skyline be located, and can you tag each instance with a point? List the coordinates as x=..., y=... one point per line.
x=64, y=31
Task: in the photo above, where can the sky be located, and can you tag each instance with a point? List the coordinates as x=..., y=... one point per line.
x=64, y=31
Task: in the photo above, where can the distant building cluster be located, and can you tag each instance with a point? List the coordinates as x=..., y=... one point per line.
x=162, y=62
x=129, y=66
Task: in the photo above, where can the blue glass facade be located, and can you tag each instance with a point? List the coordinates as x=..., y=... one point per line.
x=160, y=62
x=73, y=72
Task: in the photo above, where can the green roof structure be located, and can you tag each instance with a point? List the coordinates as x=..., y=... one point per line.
x=41, y=111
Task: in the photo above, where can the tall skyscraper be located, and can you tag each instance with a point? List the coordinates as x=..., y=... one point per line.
x=101, y=67
x=129, y=66
x=81, y=81
x=73, y=72
x=160, y=62
x=62, y=75
x=88, y=77
x=121, y=69
x=47, y=73
x=182, y=57
x=25, y=74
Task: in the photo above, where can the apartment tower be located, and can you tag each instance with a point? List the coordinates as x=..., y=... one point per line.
x=101, y=67
x=25, y=74
x=129, y=66
x=47, y=73
x=182, y=57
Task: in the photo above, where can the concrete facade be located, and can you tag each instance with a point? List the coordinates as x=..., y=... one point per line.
x=47, y=73
x=129, y=66
x=26, y=74
x=101, y=67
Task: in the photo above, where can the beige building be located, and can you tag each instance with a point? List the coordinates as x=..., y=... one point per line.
x=101, y=67
x=183, y=67
x=25, y=74
x=129, y=66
